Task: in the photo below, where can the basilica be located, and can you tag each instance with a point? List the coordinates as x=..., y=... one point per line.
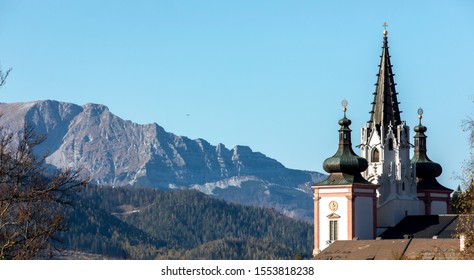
x=366, y=196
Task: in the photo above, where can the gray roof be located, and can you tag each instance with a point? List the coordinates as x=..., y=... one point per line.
x=415, y=237
x=442, y=226
x=422, y=249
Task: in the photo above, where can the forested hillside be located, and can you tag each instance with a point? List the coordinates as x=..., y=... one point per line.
x=136, y=223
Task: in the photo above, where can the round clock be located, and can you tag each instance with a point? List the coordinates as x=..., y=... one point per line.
x=333, y=206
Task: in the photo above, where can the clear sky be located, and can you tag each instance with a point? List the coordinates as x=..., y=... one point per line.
x=267, y=74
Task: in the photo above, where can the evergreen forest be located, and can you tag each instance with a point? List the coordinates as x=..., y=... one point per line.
x=145, y=223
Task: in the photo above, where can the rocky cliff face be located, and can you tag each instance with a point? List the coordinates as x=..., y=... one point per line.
x=113, y=151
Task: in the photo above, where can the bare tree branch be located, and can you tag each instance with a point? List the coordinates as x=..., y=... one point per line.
x=463, y=198
x=3, y=76
x=32, y=202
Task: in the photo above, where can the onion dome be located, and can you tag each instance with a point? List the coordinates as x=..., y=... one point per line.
x=426, y=170
x=345, y=166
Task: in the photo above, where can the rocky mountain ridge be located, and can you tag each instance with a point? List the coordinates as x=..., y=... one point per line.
x=117, y=152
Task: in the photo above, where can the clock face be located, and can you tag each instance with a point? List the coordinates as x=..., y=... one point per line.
x=333, y=206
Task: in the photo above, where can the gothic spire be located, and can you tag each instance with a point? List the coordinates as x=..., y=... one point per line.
x=385, y=109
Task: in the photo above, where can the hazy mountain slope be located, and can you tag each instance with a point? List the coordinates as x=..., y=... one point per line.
x=116, y=152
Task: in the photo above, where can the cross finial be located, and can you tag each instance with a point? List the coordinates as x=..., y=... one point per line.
x=420, y=114
x=385, y=29
x=344, y=106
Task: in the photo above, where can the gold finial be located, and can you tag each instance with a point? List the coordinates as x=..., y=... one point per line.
x=385, y=32
x=344, y=105
x=420, y=113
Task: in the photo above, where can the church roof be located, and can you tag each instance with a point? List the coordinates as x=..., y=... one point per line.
x=343, y=179
x=385, y=110
x=415, y=237
x=441, y=226
x=431, y=185
x=400, y=249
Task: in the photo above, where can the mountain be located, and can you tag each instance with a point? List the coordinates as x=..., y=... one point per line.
x=117, y=152
x=145, y=223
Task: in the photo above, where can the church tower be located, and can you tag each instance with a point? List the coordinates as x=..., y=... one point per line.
x=344, y=203
x=435, y=197
x=385, y=145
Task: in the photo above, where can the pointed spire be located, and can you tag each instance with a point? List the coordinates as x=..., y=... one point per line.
x=385, y=105
x=345, y=166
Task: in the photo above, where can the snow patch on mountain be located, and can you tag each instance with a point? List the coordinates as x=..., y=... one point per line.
x=236, y=182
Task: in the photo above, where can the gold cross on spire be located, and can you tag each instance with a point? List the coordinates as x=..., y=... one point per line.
x=385, y=29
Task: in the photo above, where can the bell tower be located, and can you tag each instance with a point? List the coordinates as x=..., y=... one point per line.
x=344, y=203
x=385, y=145
x=435, y=197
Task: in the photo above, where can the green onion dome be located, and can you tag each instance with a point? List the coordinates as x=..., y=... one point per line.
x=425, y=168
x=345, y=160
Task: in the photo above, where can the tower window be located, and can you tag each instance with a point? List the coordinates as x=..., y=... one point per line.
x=390, y=144
x=403, y=186
x=375, y=155
x=333, y=230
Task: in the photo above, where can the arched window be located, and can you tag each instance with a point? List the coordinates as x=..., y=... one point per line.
x=390, y=144
x=375, y=155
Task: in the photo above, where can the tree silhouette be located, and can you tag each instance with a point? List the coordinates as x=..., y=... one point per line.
x=463, y=202
x=31, y=200
x=3, y=76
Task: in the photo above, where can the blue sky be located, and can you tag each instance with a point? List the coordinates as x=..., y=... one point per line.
x=267, y=74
